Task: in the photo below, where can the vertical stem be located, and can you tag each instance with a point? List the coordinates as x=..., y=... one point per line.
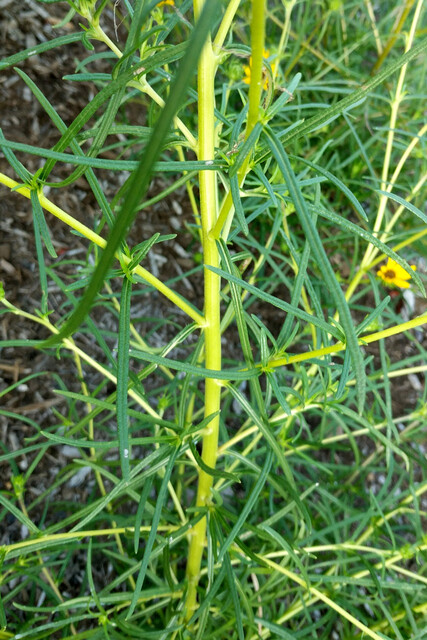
x=212, y=330
x=386, y=185
x=255, y=91
x=257, y=61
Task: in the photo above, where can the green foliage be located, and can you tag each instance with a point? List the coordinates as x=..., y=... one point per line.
x=280, y=493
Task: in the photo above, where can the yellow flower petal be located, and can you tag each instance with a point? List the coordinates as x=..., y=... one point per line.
x=392, y=274
x=402, y=284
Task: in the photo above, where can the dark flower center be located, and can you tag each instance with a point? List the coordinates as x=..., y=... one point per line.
x=390, y=274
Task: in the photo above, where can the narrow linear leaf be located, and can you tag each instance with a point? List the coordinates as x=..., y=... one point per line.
x=123, y=377
x=271, y=440
x=40, y=48
x=75, y=147
x=140, y=179
x=296, y=292
x=208, y=597
x=41, y=223
x=153, y=461
x=271, y=377
x=17, y=166
x=140, y=511
x=266, y=184
x=201, y=372
x=237, y=202
x=280, y=304
x=324, y=265
x=280, y=540
x=276, y=630
x=154, y=61
x=364, y=325
x=153, y=532
x=245, y=149
x=21, y=517
x=408, y=205
x=172, y=166
x=231, y=579
x=39, y=252
x=338, y=183
x=91, y=582
x=216, y=473
x=252, y=498
x=115, y=101
x=369, y=237
x=348, y=101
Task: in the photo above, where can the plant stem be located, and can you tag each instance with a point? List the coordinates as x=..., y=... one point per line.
x=340, y=346
x=387, y=185
x=100, y=242
x=255, y=90
x=212, y=330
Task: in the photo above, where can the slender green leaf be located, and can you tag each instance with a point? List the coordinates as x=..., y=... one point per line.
x=75, y=147
x=371, y=238
x=140, y=179
x=153, y=532
x=357, y=96
x=324, y=265
x=140, y=511
x=237, y=203
x=92, y=587
x=245, y=149
x=200, y=372
x=250, y=501
x=21, y=517
x=112, y=165
x=231, y=579
x=216, y=473
x=17, y=166
x=41, y=223
x=40, y=48
x=280, y=304
x=338, y=183
x=277, y=630
x=408, y=205
x=123, y=377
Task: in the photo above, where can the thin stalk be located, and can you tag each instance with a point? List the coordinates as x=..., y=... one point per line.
x=100, y=242
x=340, y=346
x=284, y=36
x=143, y=86
x=255, y=90
x=45, y=571
x=367, y=264
x=224, y=27
x=374, y=27
x=313, y=591
x=69, y=344
x=387, y=185
x=212, y=329
x=395, y=31
x=92, y=450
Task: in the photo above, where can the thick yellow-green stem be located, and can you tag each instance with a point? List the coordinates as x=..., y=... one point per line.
x=212, y=329
x=254, y=99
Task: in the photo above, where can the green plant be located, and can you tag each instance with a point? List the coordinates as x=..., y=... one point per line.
x=229, y=461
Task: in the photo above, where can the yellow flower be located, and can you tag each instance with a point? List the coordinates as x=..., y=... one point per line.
x=169, y=2
x=247, y=69
x=393, y=274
